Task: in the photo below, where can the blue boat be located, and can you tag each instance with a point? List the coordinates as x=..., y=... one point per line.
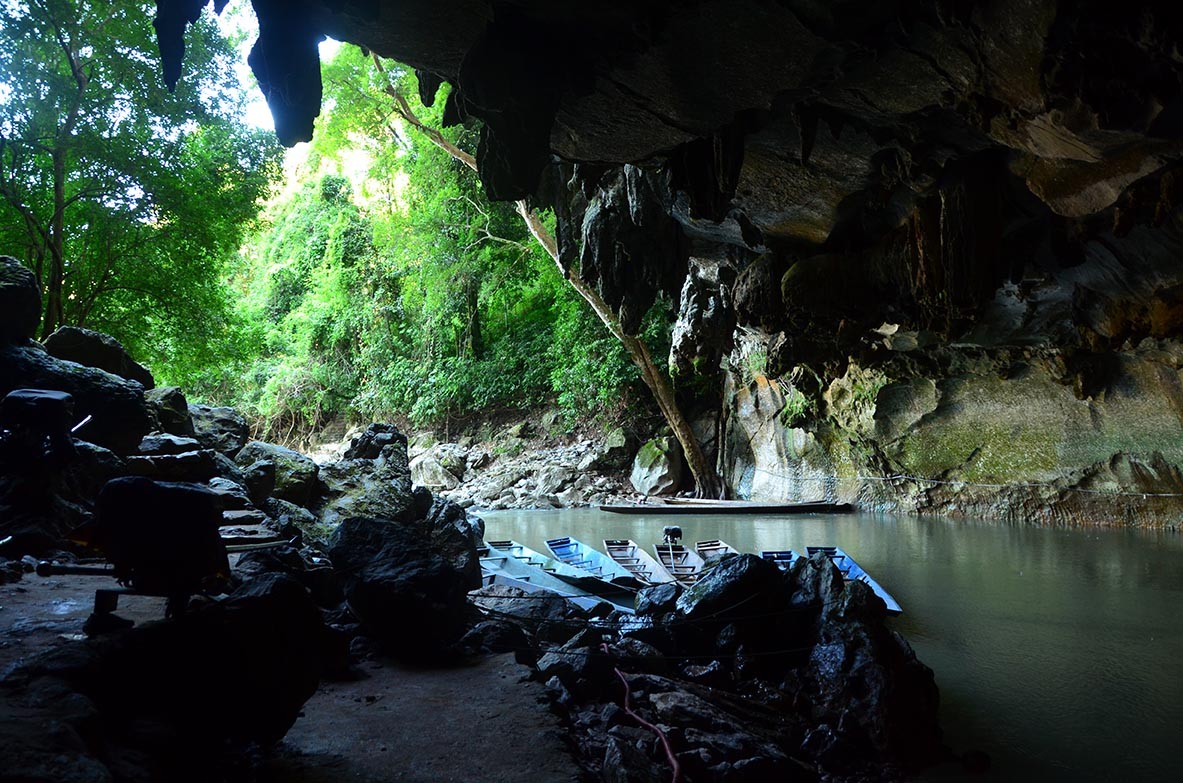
x=579, y=555
x=621, y=592
x=500, y=567
x=852, y=570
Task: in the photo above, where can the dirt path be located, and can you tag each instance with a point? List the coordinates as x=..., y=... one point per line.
x=475, y=724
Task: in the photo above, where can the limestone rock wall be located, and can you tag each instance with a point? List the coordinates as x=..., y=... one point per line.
x=1019, y=434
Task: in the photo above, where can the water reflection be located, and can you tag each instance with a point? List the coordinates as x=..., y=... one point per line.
x=1058, y=652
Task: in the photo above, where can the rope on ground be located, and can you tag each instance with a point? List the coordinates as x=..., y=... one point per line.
x=665, y=741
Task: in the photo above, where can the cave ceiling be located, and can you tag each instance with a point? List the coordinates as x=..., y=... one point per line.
x=859, y=129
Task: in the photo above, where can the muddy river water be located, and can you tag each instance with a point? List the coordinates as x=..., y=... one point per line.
x=1058, y=652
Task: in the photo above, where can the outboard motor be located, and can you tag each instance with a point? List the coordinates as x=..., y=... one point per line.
x=671, y=534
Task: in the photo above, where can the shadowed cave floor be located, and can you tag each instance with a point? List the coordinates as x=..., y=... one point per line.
x=480, y=723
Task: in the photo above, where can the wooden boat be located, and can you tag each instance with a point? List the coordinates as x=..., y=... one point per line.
x=685, y=564
x=620, y=591
x=702, y=506
x=714, y=549
x=783, y=558
x=637, y=561
x=852, y=570
x=503, y=566
x=575, y=553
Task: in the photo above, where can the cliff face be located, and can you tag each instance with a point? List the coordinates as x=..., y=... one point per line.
x=920, y=237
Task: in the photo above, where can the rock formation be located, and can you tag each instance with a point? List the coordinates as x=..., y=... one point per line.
x=994, y=182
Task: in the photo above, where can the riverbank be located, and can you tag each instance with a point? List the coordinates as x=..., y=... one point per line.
x=1055, y=650
x=528, y=462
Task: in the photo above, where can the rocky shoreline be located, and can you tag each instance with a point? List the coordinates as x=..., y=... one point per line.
x=752, y=672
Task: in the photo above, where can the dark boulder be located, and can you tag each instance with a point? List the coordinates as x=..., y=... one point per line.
x=492, y=637
x=370, y=443
x=293, y=520
x=164, y=443
x=658, y=599
x=456, y=535
x=736, y=588
x=20, y=301
x=547, y=616
x=190, y=466
x=321, y=580
x=295, y=474
x=814, y=582
x=578, y=663
x=94, y=349
x=172, y=410
x=378, y=487
x=121, y=417
x=221, y=429
x=259, y=478
x=405, y=592
x=230, y=496
x=865, y=680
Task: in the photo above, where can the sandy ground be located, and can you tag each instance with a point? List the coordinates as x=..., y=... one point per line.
x=477, y=724
x=480, y=723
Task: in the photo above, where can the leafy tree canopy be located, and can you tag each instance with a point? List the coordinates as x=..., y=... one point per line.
x=126, y=200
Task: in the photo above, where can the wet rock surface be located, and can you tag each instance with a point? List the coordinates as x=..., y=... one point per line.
x=219, y=428
x=295, y=474
x=121, y=417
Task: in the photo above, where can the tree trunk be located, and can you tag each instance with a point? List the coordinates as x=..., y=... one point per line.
x=56, y=274
x=706, y=479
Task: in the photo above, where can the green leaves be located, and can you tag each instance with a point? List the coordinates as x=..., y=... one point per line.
x=154, y=192
x=400, y=292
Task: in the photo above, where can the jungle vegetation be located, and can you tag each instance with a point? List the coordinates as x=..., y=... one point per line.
x=368, y=278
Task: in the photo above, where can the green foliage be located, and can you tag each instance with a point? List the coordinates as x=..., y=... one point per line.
x=755, y=364
x=155, y=191
x=403, y=292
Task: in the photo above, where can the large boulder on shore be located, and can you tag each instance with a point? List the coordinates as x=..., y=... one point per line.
x=373, y=439
x=222, y=429
x=376, y=486
x=295, y=474
x=172, y=410
x=120, y=416
x=94, y=349
x=456, y=535
x=402, y=588
x=657, y=468
x=20, y=301
x=428, y=471
x=865, y=681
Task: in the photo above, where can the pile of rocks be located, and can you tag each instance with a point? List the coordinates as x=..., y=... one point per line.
x=752, y=675
x=518, y=468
